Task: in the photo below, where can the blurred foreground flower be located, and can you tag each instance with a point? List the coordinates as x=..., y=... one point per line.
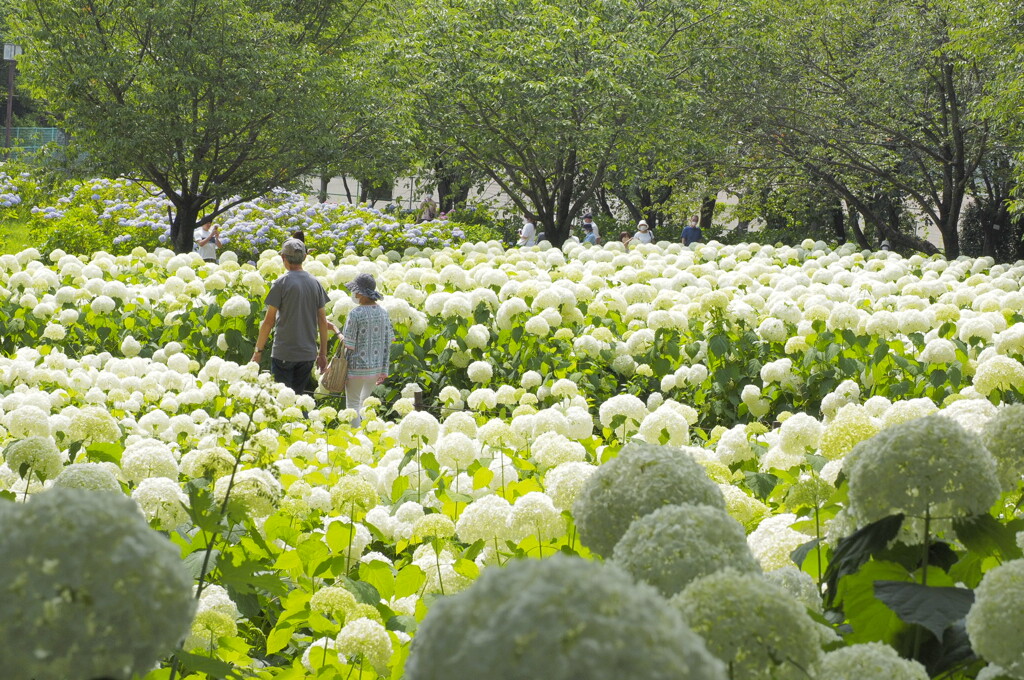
x=89, y=590
x=557, y=619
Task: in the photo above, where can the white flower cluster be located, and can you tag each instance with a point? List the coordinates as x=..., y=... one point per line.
x=676, y=544
x=758, y=629
x=558, y=618
x=996, y=617
x=640, y=480
x=80, y=569
x=929, y=466
x=869, y=660
x=1003, y=436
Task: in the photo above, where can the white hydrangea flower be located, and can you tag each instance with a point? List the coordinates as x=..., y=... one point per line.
x=477, y=337
x=551, y=449
x=640, y=480
x=124, y=577
x=92, y=476
x=799, y=433
x=1003, y=436
x=534, y=514
x=733, y=446
x=418, y=428
x=997, y=615
x=236, y=306
x=850, y=425
x=869, y=660
x=531, y=379
x=666, y=424
x=148, y=458
x=587, y=619
x=773, y=541
x=971, y=412
x=676, y=544
x=939, y=351
x=255, y=489
x=537, y=325
x=628, y=406
x=926, y=467
x=754, y=626
x=457, y=450
x=998, y=373
x=480, y=372
x=484, y=519
x=162, y=502
x=36, y=457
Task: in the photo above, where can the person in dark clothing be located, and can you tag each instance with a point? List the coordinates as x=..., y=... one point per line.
x=692, y=232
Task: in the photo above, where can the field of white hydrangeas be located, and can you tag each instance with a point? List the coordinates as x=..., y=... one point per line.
x=735, y=462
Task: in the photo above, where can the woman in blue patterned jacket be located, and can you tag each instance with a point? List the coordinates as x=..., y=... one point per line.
x=368, y=335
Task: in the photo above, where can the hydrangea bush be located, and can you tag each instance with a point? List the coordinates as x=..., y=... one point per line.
x=559, y=618
x=89, y=590
x=117, y=216
x=570, y=395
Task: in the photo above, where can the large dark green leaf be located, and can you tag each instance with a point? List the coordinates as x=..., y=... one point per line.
x=935, y=608
x=197, y=663
x=856, y=549
x=800, y=554
x=953, y=650
x=719, y=345
x=986, y=535
x=761, y=483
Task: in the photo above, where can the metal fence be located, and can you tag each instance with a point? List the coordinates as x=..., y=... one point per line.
x=32, y=138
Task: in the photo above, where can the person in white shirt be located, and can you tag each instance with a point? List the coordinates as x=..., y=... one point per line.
x=207, y=240
x=528, y=234
x=643, y=233
x=588, y=219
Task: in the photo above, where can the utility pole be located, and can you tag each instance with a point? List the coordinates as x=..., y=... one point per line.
x=11, y=53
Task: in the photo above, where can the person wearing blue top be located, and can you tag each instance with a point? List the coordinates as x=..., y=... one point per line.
x=692, y=232
x=589, y=235
x=367, y=336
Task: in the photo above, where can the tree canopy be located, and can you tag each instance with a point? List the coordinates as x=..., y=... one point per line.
x=212, y=101
x=853, y=115
x=545, y=96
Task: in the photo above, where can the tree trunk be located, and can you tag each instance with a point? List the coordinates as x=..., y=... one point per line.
x=452, y=186
x=858, y=233
x=949, y=215
x=836, y=213
x=602, y=200
x=324, y=181
x=183, y=227
x=707, y=211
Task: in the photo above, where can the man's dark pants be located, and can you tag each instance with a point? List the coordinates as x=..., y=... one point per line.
x=294, y=374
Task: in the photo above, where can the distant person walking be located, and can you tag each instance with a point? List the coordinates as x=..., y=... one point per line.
x=588, y=219
x=588, y=234
x=692, y=232
x=428, y=209
x=643, y=233
x=295, y=312
x=207, y=239
x=528, y=233
x=367, y=336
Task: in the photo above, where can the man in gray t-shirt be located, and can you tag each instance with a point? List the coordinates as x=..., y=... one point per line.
x=295, y=312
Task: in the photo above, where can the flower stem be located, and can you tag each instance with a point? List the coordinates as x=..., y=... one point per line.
x=28, y=480
x=924, y=575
